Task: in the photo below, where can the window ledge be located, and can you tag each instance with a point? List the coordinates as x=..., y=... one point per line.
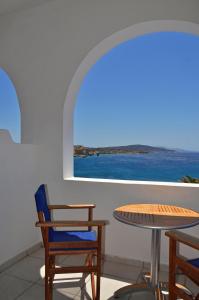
x=132, y=182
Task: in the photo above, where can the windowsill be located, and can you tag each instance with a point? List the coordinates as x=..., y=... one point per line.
x=132, y=182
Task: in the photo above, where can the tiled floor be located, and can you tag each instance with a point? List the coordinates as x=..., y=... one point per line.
x=25, y=280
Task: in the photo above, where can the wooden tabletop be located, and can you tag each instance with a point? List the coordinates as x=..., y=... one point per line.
x=157, y=216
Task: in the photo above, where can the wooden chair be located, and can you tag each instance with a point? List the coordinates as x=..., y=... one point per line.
x=189, y=268
x=58, y=242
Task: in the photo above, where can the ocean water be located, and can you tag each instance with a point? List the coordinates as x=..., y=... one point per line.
x=159, y=166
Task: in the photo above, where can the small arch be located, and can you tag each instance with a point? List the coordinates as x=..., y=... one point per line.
x=10, y=115
x=91, y=58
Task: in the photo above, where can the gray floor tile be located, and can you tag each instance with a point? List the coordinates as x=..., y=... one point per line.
x=74, y=260
x=38, y=254
x=36, y=292
x=66, y=293
x=164, y=276
x=41, y=254
x=109, y=285
x=121, y=270
x=27, y=269
x=11, y=287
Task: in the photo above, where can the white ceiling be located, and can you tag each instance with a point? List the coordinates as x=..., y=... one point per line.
x=9, y=6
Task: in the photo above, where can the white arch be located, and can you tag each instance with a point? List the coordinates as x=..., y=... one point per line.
x=91, y=58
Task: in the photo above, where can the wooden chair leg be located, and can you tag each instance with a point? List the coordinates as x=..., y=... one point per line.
x=98, y=277
x=92, y=278
x=98, y=285
x=48, y=291
x=50, y=287
x=99, y=253
x=51, y=278
x=197, y=297
x=87, y=260
x=172, y=269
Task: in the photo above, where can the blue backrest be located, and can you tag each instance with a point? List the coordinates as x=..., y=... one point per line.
x=41, y=202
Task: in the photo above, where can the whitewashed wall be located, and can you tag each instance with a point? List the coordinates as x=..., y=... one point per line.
x=41, y=49
x=123, y=240
x=18, y=165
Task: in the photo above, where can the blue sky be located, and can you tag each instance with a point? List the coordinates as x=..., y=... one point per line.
x=9, y=107
x=144, y=91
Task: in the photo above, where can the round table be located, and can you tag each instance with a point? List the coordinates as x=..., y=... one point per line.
x=156, y=217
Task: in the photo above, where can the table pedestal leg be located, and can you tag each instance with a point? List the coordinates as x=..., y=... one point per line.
x=155, y=256
x=154, y=278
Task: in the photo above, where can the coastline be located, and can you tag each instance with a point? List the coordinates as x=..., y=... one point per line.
x=82, y=151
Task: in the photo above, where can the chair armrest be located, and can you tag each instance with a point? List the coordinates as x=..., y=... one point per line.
x=71, y=223
x=184, y=238
x=71, y=206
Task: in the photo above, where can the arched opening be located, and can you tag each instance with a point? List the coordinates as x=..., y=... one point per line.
x=10, y=117
x=92, y=57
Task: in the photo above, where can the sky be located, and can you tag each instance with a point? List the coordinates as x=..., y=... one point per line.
x=144, y=91
x=9, y=107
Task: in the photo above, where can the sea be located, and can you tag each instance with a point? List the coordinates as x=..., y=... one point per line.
x=169, y=166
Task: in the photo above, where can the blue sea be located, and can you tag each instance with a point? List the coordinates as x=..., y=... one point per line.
x=159, y=166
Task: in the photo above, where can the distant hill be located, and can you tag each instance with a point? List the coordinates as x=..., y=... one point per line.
x=131, y=149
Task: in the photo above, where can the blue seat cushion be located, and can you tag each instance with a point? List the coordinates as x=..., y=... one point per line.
x=72, y=236
x=41, y=202
x=194, y=262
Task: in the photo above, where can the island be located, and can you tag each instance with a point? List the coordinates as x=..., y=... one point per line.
x=83, y=151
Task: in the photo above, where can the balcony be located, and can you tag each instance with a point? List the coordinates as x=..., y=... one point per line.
x=42, y=47
x=127, y=250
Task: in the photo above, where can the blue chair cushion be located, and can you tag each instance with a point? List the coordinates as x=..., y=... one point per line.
x=194, y=262
x=72, y=236
x=41, y=202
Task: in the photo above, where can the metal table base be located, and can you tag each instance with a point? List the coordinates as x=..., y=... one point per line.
x=155, y=257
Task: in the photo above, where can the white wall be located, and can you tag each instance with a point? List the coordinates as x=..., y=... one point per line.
x=124, y=240
x=18, y=165
x=41, y=48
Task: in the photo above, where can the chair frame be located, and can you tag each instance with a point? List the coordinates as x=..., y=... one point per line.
x=178, y=261
x=92, y=248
